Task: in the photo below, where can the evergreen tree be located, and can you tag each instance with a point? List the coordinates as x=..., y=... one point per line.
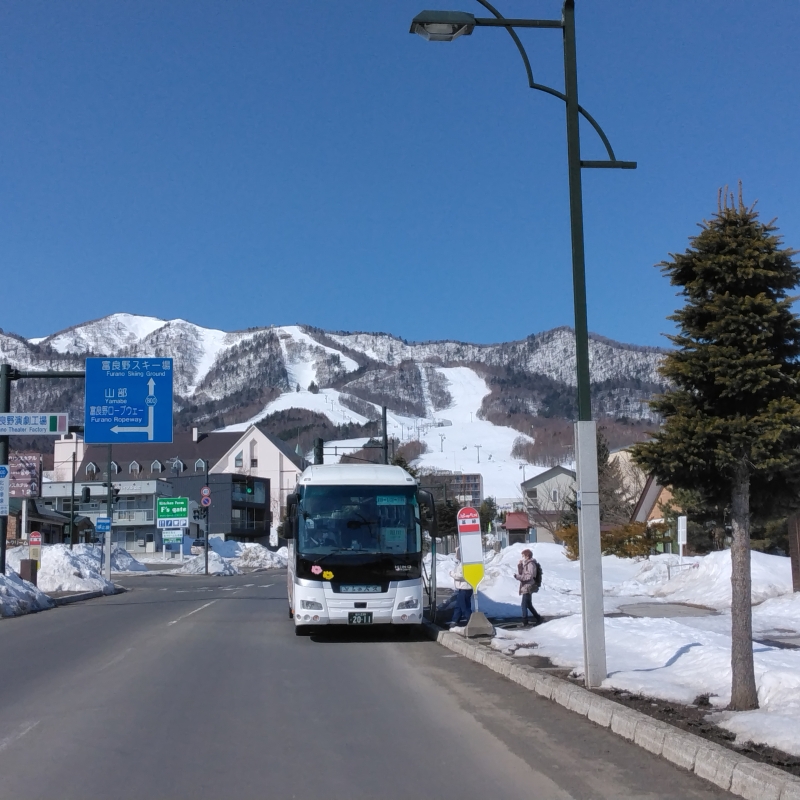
x=487, y=512
x=732, y=419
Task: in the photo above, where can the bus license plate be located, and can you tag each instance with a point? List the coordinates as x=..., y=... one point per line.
x=359, y=618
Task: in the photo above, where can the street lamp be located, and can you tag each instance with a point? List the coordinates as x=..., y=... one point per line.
x=445, y=26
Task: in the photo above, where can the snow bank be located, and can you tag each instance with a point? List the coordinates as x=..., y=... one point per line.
x=707, y=579
x=19, y=597
x=667, y=659
x=65, y=570
x=217, y=565
x=226, y=549
x=255, y=557
x=121, y=559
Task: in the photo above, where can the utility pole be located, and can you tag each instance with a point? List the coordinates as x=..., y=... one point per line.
x=5, y=408
x=442, y=437
x=208, y=514
x=385, y=436
x=72, y=501
x=478, y=448
x=110, y=515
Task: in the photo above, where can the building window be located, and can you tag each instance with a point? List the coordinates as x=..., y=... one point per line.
x=238, y=461
x=91, y=469
x=253, y=463
x=554, y=495
x=115, y=467
x=199, y=465
x=533, y=494
x=134, y=468
x=177, y=466
x=156, y=466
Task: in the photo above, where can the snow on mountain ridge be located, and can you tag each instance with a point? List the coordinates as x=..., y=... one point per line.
x=104, y=336
x=551, y=353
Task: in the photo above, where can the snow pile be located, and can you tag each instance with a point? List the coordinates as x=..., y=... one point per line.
x=65, y=570
x=217, y=565
x=20, y=597
x=707, y=581
x=667, y=659
x=255, y=557
x=226, y=549
x=121, y=559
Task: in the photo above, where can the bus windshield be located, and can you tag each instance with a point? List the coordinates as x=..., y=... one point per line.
x=358, y=519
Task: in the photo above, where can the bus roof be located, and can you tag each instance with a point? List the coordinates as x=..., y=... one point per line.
x=355, y=475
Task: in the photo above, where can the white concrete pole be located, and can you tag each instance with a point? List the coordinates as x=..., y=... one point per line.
x=594, y=641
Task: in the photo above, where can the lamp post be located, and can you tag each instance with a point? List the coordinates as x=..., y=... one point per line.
x=446, y=26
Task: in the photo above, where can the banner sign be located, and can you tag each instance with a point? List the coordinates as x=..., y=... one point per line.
x=470, y=545
x=37, y=424
x=24, y=474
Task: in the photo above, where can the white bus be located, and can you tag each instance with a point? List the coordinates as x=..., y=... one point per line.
x=355, y=546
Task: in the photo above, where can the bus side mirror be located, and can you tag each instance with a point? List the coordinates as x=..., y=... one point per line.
x=428, y=513
x=290, y=523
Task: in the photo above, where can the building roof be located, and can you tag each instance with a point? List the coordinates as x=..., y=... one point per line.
x=517, y=521
x=286, y=449
x=210, y=447
x=538, y=480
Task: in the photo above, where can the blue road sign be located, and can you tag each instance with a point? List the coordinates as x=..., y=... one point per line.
x=3, y=471
x=128, y=400
x=102, y=524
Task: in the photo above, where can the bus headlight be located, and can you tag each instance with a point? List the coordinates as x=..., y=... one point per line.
x=409, y=602
x=313, y=605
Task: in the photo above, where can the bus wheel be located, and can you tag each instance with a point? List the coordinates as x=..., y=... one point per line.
x=291, y=614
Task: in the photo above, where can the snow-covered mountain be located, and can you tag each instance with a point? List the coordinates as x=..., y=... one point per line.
x=234, y=378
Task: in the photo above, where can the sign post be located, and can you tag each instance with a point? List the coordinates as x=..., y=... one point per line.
x=128, y=400
x=4, y=480
x=172, y=514
x=35, y=548
x=102, y=525
x=38, y=423
x=470, y=544
x=681, y=535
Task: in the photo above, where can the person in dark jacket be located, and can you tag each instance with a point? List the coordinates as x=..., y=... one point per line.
x=527, y=573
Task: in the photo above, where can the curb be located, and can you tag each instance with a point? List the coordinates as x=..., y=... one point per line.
x=730, y=771
x=81, y=596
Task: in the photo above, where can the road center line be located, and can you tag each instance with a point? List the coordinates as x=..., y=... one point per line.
x=23, y=729
x=192, y=612
x=266, y=586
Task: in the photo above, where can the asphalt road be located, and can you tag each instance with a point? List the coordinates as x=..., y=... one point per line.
x=194, y=687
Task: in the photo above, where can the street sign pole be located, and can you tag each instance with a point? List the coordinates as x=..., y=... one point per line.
x=208, y=514
x=5, y=407
x=681, y=536
x=110, y=515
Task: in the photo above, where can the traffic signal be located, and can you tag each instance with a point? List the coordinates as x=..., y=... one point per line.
x=86, y=495
x=319, y=457
x=114, y=494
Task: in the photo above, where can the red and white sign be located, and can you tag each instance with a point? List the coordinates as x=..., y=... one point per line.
x=205, y=492
x=469, y=521
x=35, y=539
x=205, y=501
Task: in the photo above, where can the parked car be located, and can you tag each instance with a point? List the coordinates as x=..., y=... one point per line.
x=198, y=547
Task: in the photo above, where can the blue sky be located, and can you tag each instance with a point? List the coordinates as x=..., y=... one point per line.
x=242, y=164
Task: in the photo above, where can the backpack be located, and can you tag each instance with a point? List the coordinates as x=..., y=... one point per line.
x=537, y=580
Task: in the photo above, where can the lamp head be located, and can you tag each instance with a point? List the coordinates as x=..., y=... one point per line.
x=443, y=26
